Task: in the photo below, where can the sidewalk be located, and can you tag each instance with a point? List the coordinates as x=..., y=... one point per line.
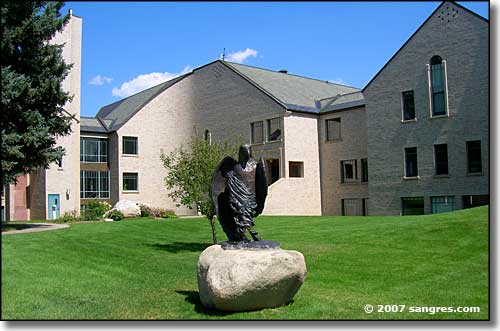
x=38, y=227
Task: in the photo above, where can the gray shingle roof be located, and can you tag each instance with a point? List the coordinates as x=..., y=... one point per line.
x=294, y=92
x=113, y=116
x=91, y=124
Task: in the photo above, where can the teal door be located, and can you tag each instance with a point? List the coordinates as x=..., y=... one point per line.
x=53, y=206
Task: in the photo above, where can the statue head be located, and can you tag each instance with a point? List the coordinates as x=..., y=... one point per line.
x=245, y=153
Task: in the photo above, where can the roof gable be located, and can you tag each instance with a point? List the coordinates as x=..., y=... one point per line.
x=440, y=7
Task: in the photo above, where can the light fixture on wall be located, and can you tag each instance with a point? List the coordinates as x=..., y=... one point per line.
x=67, y=194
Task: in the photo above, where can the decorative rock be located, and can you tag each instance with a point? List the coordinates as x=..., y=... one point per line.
x=243, y=280
x=128, y=208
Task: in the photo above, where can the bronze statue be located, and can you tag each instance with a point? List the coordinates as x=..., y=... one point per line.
x=238, y=192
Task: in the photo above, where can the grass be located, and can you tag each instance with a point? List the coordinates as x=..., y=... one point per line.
x=146, y=269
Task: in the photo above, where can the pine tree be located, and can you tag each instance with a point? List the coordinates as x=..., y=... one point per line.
x=32, y=114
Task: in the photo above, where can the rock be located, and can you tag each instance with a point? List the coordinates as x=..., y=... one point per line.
x=109, y=220
x=243, y=280
x=128, y=208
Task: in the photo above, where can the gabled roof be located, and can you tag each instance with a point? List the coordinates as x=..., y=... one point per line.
x=113, y=116
x=420, y=27
x=91, y=124
x=295, y=93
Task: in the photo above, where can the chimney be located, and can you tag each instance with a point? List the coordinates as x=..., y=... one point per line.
x=283, y=71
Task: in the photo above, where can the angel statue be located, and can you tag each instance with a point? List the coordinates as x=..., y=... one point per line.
x=238, y=192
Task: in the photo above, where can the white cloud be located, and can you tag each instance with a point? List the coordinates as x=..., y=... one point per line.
x=145, y=81
x=100, y=80
x=338, y=81
x=241, y=56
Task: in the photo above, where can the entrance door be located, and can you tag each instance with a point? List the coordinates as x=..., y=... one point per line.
x=53, y=206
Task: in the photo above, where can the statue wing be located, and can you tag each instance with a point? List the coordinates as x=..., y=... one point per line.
x=218, y=184
x=260, y=185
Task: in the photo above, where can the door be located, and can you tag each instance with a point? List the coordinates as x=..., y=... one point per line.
x=53, y=206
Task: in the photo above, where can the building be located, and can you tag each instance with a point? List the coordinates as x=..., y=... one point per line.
x=414, y=140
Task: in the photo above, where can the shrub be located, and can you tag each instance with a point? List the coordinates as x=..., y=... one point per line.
x=95, y=210
x=68, y=217
x=115, y=215
x=147, y=211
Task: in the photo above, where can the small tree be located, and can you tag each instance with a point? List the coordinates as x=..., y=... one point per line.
x=190, y=173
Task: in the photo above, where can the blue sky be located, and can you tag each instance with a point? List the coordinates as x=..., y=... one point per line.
x=128, y=46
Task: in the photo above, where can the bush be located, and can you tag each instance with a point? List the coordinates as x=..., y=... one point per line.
x=95, y=210
x=147, y=211
x=115, y=215
x=68, y=217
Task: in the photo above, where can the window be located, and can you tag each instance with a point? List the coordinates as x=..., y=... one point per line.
x=273, y=169
x=364, y=170
x=208, y=137
x=442, y=204
x=59, y=162
x=257, y=132
x=348, y=171
x=28, y=196
x=93, y=150
x=408, y=106
x=94, y=184
x=474, y=162
x=438, y=86
x=296, y=169
x=470, y=201
x=274, y=129
x=130, y=182
x=441, y=159
x=130, y=145
x=412, y=206
x=411, y=168
x=352, y=207
x=333, y=129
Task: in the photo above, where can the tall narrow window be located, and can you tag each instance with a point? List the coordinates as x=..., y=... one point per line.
x=130, y=145
x=333, y=129
x=257, y=132
x=348, y=171
x=411, y=167
x=438, y=86
x=364, y=170
x=474, y=162
x=441, y=159
x=408, y=106
x=274, y=129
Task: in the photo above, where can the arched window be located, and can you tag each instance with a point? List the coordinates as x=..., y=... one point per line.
x=438, y=86
x=208, y=136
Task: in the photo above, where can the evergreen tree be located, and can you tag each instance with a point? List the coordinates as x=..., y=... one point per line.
x=32, y=98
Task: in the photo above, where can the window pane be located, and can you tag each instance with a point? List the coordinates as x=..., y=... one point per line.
x=103, y=151
x=364, y=170
x=441, y=159
x=438, y=105
x=104, y=184
x=471, y=201
x=129, y=181
x=408, y=106
x=333, y=129
x=257, y=132
x=412, y=206
x=438, y=86
x=274, y=129
x=91, y=149
x=474, y=162
x=352, y=207
x=130, y=145
x=296, y=169
x=411, y=162
x=348, y=170
x=442, y=204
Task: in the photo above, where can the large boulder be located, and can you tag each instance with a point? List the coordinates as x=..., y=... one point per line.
x=128, y=208
x=243, y=280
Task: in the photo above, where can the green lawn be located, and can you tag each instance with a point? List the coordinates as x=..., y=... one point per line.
x=146, y=269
